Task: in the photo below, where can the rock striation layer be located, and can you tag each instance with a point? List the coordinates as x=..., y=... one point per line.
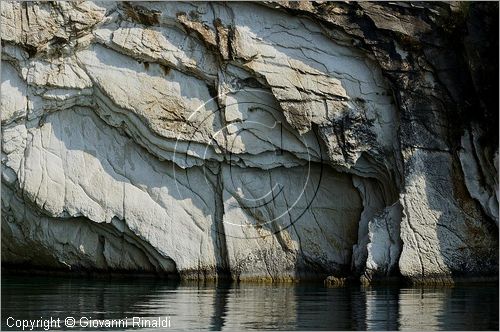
x=256, y=141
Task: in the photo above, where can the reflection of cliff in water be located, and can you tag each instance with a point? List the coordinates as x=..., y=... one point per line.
x=29, y=298
x=259, y=306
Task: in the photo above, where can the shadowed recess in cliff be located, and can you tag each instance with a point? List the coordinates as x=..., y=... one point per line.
x=130, y=186
x=206, y=131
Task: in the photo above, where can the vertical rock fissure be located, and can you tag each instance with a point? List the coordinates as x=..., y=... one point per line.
x=221, y=255
x=144, y=70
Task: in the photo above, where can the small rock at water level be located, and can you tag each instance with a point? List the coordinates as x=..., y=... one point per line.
x=271, y=141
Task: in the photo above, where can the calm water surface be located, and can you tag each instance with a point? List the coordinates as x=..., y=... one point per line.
x=252, y=306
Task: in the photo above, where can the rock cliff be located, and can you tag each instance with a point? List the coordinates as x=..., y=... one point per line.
x=274, y=140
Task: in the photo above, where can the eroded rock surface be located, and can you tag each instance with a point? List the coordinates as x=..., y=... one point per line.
x=269, y=141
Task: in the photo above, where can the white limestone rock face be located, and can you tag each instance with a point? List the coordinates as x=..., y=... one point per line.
x=442, y=227
x=480, y=168
x=239, y=140
x=384, y=247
